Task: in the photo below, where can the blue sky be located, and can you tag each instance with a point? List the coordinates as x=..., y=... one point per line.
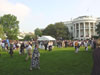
x=34, y=14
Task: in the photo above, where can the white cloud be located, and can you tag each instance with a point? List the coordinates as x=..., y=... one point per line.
x=17, y=9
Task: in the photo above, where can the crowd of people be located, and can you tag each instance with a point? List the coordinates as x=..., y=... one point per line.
x=23, y=47
x=77, y=44
x=27, y=46
x=49, y=45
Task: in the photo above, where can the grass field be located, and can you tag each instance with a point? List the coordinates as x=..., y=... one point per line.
x=61, y=61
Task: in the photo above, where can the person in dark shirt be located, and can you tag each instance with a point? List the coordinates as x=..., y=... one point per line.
x=11, y=50
x=94, y=44
x=66, y=43
x=96, y=59
x=22, y=48
x=46, y=45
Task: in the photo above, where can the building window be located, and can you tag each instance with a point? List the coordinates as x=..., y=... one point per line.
x=71, y=28
x=77, y=26
x=91, y=25
x=87, y=25
x=81, y=32
x=81, y=26
x=77, y=33
x=87, y=32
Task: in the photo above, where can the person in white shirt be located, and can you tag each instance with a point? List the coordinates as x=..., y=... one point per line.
x=41, y=46
x=50, y=44
x=29, y=52
x=86, y=45
x=3, y=45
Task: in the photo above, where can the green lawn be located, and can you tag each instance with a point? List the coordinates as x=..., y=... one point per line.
x=61, y=61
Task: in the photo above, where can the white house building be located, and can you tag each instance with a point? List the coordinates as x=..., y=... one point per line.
x=83, y=27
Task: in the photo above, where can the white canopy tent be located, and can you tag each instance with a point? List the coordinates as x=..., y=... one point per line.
x=46, y=38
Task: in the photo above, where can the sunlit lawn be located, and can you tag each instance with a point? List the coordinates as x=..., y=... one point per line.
x=61, y=61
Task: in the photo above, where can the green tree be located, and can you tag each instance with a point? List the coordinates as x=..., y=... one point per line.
x=98, y=29
x=29, y=37
x=57, y=30
x=62, y=31
x=10, y=26
x=38, y=32
x=1, y=32
x=50, y=30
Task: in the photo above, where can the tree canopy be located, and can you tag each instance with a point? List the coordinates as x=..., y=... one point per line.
x=57, y=30
x=50, y=30
x=1, y=32
x=10, y=26
x=29, y=37
x=38, y=32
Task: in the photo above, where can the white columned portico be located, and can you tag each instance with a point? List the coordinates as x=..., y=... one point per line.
x=83, y=27
x=89, y=30
x=84, y=30
x=79, y=30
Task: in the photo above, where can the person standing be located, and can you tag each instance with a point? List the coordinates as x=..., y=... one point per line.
x=29, y=51
x=6, y=46
x=22, y=48
x=46, y=45
x=86, y=45
x=50, y=44
x=76, y=46
x=96, y=59
x=11, y=49
x=66, y=43
x=63, y=44
x=3, y=45
x=35, y=59
x=94, y=44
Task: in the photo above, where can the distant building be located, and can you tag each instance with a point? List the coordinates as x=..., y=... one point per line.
x=22, y=34
x=83, y=27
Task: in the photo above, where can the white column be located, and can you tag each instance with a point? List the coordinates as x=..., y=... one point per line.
x=79, y=30
x=84, y=30
x=75, y=31
x=89, y=30
x=93, y=28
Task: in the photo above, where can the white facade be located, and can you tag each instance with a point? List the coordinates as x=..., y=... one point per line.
x=83, y=27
